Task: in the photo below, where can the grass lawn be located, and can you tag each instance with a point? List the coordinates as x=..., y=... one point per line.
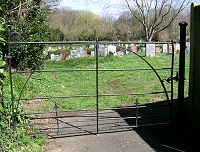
x=83, y=83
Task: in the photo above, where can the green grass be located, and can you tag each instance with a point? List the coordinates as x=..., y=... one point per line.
x=80, y=83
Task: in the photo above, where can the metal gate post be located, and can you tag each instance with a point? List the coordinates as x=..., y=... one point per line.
x=10, y=77
x=97, y=85
x=180, y=107
x=172, y=83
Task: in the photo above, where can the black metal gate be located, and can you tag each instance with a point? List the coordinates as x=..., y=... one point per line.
x=60, y=123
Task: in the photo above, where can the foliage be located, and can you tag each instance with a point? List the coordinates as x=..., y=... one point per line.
x=26, y=57
x=19, y=141
x=70, y=24
x=15, y=138
x=2, y=29
x=28, y=23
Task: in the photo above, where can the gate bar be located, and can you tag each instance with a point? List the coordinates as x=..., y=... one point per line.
x=172, y=83
x=99, y=95
x=131, y=107
x=11, y=79
x=88, y=42
x=97, y=85
x=90, y=70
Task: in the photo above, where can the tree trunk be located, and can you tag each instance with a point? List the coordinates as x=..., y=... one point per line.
x=150, y=38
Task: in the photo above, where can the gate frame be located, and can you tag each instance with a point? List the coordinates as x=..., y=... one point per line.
x=97, y=95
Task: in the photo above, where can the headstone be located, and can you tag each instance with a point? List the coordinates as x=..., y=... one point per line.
x=170, y=48
x=80, y=52
x=150, y=50
x=143, y=49
x=92, y=53
x=165, y=48
x=177, y=47
x=188, y=46
x=133, y=48
x=57, y=58
x=106, y=51
x=73, y=54
x=91, y=46
x=52, y=57
x=120, y=53
x=112, y=49
x=126, y=45
x=64, y=55
x=102, y=50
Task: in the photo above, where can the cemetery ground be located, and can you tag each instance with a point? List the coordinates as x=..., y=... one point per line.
x=84, y=82
x=81, y=82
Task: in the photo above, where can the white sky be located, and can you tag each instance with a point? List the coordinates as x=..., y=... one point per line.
x=99, y=7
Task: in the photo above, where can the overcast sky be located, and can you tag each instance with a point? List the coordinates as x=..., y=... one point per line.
x=99, y=7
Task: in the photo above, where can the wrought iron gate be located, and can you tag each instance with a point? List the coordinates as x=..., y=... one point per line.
x=60, y=123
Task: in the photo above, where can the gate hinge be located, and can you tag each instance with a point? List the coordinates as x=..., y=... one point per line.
x=176, y=78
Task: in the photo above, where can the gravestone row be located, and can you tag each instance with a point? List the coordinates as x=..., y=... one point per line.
x=104, y=50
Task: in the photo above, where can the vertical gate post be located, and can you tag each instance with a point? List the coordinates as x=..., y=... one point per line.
x=180, y=107
x=97, y=84
x=10, y=76
x=172, y=83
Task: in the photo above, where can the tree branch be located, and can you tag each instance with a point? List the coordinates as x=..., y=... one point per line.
x=164, y=15
x=138, y=19
x=181, y=8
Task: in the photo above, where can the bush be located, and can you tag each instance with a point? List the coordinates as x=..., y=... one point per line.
x=26, y=57
x=17, y=139
x=20, y=141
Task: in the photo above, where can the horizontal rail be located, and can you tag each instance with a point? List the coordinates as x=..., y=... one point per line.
x=100, y=117
x=102, y=111
x=89, y=70
x=106, y=130
x=89, y=42
x=100, y=95
x=81, y=126
x=101, y=131
x=92, y=70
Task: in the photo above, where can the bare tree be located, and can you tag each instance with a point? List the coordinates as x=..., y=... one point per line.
x=155, y=15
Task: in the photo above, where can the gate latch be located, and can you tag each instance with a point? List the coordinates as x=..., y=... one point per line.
x=176, y=78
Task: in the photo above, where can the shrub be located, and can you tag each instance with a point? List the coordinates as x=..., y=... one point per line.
x=26, y=57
